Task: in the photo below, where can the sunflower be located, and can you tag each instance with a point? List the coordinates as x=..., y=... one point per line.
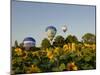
x=71, y=66
x=50, y=54
x=18, y=51
x=34, y=68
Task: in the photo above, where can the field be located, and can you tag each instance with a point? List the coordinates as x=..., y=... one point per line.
x=68, y=57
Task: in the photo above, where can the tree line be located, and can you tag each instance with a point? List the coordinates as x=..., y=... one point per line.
x=59, y=41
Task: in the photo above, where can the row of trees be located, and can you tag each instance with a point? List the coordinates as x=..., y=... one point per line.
x=59, y=40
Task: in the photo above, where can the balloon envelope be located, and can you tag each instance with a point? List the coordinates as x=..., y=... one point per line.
x=64, y=28
x=29, y=42
x=51, y=31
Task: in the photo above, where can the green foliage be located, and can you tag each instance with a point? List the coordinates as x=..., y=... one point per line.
x=59, y=41
x=16, y=44
x=84, y=59
x=21, y=45
x=45, y=43
x=62, y=67
x=34, y=48
x=89, y=38
x=71, y=39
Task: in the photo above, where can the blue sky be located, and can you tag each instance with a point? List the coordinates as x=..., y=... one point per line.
x=31, y=19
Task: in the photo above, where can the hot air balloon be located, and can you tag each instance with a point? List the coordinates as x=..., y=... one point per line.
x=64, y=28
x=28, y=42
x=51, y=31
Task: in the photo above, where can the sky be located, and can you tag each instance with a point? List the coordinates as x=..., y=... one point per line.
x=29, y=19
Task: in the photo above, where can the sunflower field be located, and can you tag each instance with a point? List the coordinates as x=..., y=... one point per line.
x=69, y=57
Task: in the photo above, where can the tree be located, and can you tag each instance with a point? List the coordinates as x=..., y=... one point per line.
x=58, y=41
x=75, y=40
x=71, y=39
x=45, y=43
x=21, y=45
x=16, y=44
x=89, y=38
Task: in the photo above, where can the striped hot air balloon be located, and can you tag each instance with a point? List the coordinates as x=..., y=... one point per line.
x=29, y=42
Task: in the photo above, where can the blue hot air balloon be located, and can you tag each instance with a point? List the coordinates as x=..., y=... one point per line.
x=51, y=31
x=29, y=42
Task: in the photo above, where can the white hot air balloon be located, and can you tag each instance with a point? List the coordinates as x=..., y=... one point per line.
x=64, y=28
x=29, y=42
x=51, y=31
